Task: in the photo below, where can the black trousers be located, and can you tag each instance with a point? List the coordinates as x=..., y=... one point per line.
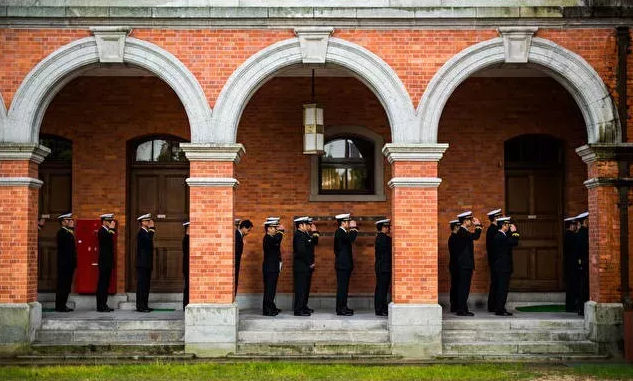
x=454, y=288
x=300, y=283
x=185, y=292
x=501, y=291
x=492, y=291
x=342, y=288
x=143, y=278
x=102, y=286
x=463, y=289
x=270, y=289
x=307, y=290
x=583, y=290
x=572, y=290
x=383, y=280
x=64, y=282
x=237, y=271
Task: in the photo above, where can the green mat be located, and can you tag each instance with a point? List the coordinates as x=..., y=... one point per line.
x=543, y=308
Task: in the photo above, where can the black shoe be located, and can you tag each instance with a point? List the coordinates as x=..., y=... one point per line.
x=64, y=309
x=278, y=310
x=150, y=309
x=465, y=313
x=302, y=313
x=503, y=313
x=507, y=312
x=382, y=313
x=143, y=310
x=453, y=309
x=270, y=313
x=349, y=310
x=344, y=313
x=310, y=310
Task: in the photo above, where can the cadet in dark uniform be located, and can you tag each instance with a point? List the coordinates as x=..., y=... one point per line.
x=490, y=237
x=301, y=249
x=272, y=264
x=582, y=248
x=382, y=266
x=242, y=231
x=66, y=261
x=314, y=240
x=507, y=237
x=106, y=260
x=185, y=265
x=343, y=261
x=452, y=264
x=144, y=261
x=466, y=259
x=570, y=255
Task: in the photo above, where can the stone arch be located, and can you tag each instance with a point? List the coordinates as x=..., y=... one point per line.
x=367, y=67
x=3, y=117
x=51, y=74
x=568, y=68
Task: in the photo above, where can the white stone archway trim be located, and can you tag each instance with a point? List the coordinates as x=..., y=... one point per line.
x=259, y=68
x=3, y=117
x=51, y=74
x=567, y=67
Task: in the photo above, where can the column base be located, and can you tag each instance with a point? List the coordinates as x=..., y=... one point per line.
x=18, y=324
x=211, y=329
x=604, y=322
x=416, y=330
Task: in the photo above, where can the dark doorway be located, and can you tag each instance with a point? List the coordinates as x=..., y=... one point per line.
x=534, y=173
x=157, y=185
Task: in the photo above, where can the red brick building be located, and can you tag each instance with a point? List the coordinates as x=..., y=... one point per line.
x=195, y=112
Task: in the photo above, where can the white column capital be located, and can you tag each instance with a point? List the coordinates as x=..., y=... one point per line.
x=414, y=182
x=414, y=152
x=23, y=151
x=212, y=182
x=213, y=152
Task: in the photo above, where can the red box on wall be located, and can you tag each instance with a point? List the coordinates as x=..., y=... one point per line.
x=87, y=273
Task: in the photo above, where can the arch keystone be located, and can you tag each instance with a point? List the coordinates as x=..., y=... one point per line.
x=313, y=43
x=110, y=42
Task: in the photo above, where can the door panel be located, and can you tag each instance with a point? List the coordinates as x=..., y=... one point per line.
x=162, y=191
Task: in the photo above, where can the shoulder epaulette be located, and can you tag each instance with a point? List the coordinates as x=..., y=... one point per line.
x=151, y=229
x=280, y=232
x=515, y=235
x=353, y=229
x=478, y=227
x=315, y=234
x=111, y=231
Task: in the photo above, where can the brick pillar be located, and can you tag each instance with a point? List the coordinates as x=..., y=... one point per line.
x=211, y=317
x=20, y=313
x=415, y=317
x=603, y=312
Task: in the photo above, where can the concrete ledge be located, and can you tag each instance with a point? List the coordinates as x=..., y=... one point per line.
x=18, y=324
x=604, y=322
x=211, y=329
x=416, y=330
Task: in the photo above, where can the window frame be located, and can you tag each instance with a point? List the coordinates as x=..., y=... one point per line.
x=171, y=139
x=344, y=132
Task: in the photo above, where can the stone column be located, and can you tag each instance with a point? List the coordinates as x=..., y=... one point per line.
x=20, y=313
x=415, y=317
x=211, y=318
x=603, y=312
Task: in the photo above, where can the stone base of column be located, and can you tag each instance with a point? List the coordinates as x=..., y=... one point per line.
x=416, y=330
x=604, y=322
x=18, y=324
x=211, y=329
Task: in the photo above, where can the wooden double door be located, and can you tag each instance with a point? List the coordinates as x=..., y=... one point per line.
x=162, y=191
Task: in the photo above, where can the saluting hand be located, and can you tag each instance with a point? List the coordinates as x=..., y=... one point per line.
x=476, y=221
x=280, y=227
x=352, y=224
x=113, y=225
x=150, y=223
x=513, y=228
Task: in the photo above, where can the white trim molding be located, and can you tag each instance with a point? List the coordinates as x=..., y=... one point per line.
x=414, y=152
x=313, y=43
x=565, y=66
x=21, y=182
x=366, y=66
x=23, y=151
x=212, y=182
x=213, y=152
x=415, y=182
x=51, y=74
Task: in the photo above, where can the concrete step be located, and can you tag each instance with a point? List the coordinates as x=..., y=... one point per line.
x=111, y=324
x=94, y=349
x=461, y=336
x=529, y=358
x=500, y=324
x=369, y=336
x=317, y=322
x=131, y=306
x=92, y=336
x=320, y=349
x=520, y=347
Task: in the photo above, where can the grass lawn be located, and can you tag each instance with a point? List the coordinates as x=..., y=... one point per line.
x=308, y=372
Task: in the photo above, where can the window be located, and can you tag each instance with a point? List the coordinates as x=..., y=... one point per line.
x=351, y=168
x=533, y=150
x=159, y=150
x=61, y=149
x=347, y=167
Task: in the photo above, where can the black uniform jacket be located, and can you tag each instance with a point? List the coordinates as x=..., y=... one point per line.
x=582, y=248
x=570, y=253
x=343, y=248
x=314, y=240
x=382, y=249
x=66, y=249
x=239, y=244
x=185, y=254
x=106, y=247
x=465, y=247
x=272, y=252
x=145, y=248
x=303, y=252
x=453, y=255
x=502, y=253
x=491, y=233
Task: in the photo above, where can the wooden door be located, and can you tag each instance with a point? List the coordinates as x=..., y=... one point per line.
x=162, y=191
x=534, y=198
x=55, y=198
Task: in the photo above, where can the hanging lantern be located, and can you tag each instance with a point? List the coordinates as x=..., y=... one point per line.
x=313, y=126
